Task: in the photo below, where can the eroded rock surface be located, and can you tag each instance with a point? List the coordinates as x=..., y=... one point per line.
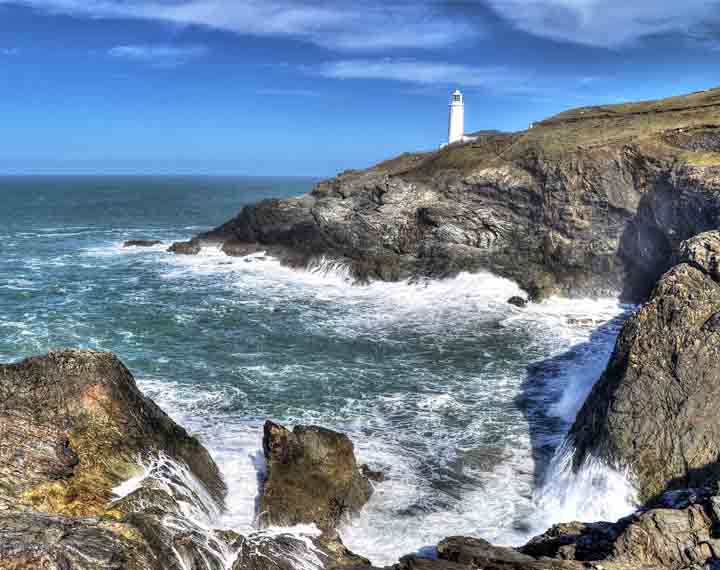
x=592, y=201
x=655, y=408
x=312, y=477
x=74, y=425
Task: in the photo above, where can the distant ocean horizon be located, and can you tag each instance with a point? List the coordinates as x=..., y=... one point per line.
x=461, y=399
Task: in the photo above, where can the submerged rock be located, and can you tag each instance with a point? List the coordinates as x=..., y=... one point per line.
x=191, y=247
x=518, y=302
x=312, y=477
x=142, y=243
x=655, y=408
x=591, y=202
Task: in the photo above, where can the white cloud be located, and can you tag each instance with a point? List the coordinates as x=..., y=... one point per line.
x=606, y=23
x=336, y=24
x=498, y=80
x=158, y=54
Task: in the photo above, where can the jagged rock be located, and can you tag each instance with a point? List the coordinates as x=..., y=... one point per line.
x=289, y=552
x=142, y=243
x=655, y=408
x=191, y=247
x=372, y=474
x=31, y=541
x=312, y=477
x=592, y=201
x=702, y=252
x=74, y=426
x=518, y=302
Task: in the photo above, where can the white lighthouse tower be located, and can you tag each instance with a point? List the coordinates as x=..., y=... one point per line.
x=456, y=130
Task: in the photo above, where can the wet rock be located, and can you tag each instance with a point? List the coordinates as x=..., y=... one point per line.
x=312, y=477
x=32, y=541
x=74, y=426
x=142, y=243
x=654, y=409
x=290, y=552
x=240, y=249
x=191, y=247
x=518, y=302
x=372, y=474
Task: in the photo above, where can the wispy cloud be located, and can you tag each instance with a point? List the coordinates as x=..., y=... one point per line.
x=605, y=23
x=366, y=25
x=336, y=24
x=427, y=74
x=160, y=55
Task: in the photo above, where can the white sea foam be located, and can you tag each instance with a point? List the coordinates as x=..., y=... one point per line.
x=497, y=494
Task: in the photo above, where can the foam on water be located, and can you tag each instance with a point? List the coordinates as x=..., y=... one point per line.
x=498, y=496
x=462, y=400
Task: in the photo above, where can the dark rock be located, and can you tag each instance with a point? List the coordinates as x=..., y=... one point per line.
x=74, y=425
x=655, y=408
x=191, y=247
x=518, y=302
x=31, y=541
x=585, y=203
x=240, y=249
x=288, y=552
x=312, y=477
x=142, y=243
x=372, y=474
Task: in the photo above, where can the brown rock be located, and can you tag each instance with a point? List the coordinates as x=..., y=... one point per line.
x=312, y=477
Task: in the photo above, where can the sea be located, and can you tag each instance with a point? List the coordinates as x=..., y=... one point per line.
x=462, y=400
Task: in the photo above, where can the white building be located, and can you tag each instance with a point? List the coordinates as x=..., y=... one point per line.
x=456, y=130
x=456, y=127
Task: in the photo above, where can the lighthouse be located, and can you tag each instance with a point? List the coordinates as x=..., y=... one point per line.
x=456, y=130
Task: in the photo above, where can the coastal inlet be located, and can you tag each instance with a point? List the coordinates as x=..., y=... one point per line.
x=458, y=397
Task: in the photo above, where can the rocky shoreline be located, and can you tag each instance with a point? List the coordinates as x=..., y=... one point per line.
x=595, y=201
x=619, y=199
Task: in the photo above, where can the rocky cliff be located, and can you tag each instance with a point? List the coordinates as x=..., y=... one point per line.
x=592, y=201
x=655, y=408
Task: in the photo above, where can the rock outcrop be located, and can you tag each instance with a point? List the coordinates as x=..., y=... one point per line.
x=655, y=408
x=74, y=425
x=593, y=201
x=679, y=533
x=312, y=477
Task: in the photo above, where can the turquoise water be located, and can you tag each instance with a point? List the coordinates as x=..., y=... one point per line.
x=460, y=398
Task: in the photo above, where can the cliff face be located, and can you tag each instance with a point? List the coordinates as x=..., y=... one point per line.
x=655, y=408
x=592, y=201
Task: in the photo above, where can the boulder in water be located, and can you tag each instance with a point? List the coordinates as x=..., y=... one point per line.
x=142, y=243
x=654, y=410
x=312, y=477
x=518, y=302
x=191, y=247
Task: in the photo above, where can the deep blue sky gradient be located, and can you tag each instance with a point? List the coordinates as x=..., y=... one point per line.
x=87, y=94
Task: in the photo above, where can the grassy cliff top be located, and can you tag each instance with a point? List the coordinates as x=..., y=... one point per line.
x=684, y=128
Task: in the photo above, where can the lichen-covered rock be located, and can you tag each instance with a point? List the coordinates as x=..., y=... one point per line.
x=593, y=201
x=655, y=408
x=312, y=477
x=74, y=425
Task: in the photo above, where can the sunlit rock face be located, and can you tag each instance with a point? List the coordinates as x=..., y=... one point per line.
x=592, y=201
x=654, y=409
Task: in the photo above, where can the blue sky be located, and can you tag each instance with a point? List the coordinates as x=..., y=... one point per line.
x=290, y=87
